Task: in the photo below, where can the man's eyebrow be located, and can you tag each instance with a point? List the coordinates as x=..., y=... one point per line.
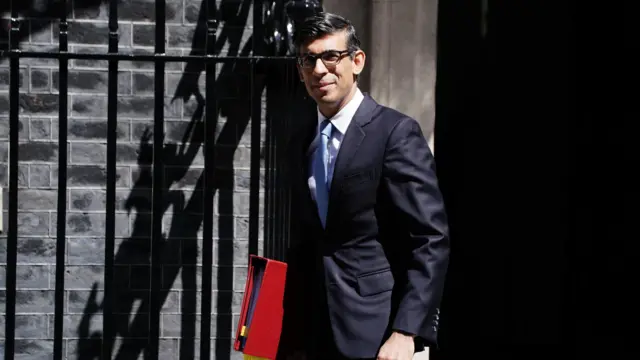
x=321, y=52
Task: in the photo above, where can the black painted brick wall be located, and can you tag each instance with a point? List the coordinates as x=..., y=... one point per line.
x=38, y=179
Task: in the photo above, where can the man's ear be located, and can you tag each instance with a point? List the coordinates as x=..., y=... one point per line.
x=300, y=72
x=359, y=58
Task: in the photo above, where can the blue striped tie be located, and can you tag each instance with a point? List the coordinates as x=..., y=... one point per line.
x=321, y=170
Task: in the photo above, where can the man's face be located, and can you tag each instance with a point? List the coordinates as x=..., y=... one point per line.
x=330, y=78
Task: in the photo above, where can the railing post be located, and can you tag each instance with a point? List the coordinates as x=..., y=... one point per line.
x=12, y=235
x=210, y=122
x=256, y=119
x=61, y=237
x=110, y=221
x=158, y=182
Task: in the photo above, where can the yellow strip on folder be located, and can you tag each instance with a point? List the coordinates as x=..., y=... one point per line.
x=243, y=331
x=249, y=357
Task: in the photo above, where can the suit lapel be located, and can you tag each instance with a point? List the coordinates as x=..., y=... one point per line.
x=353, y=137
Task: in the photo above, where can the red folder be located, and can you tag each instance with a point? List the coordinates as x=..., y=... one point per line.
x=260, y=324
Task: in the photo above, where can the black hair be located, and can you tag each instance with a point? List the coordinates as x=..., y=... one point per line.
x=322, y=24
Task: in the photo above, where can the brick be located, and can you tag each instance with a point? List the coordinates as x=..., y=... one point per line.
x=72, y=322
x=138, y=129
x=85, y=251
x=241, y=227
x=88, y=153
x=93, y=175
x=77, y=300
x=38, y=103
x=40, y=79
x=239, y=278
x=84, y=81
x=36, y=250
x=38, y=151
x=30, y=277
x=95, y=33
x=86, y=105
x=37, y=199
x=127, y=153
x=171, y=325
x=33, y=223
x=87, y=199
x=81, y=277
x=33, y=348
x=144, y=34
x=167, y=348
x=93, y=224
x=31, y=326
x=5, y=78
x=40, y=129
x=243, y=179
x=143, y=82
x=144, y=107
x=23, y=175
x=5, y=128
x=89, y=129
x=229, y=253
x=182, y=37
x=39, y=176
x=34, y=301
x=41, y=31
x=191, y=11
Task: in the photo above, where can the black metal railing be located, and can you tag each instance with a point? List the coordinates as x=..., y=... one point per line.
x=273, y=73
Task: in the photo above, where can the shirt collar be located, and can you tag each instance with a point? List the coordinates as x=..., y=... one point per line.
x=343, y=118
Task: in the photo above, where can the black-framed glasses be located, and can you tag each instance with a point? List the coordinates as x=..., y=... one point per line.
x=330, y=58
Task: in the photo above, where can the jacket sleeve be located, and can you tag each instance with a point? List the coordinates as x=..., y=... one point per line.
x=409, y=175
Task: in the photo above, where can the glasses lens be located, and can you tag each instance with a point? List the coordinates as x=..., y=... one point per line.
x=306, y=61
x=331, y=57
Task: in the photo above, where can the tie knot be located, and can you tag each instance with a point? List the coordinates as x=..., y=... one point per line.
x=326, y=128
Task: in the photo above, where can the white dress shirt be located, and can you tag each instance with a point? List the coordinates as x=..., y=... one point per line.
x=340, y=122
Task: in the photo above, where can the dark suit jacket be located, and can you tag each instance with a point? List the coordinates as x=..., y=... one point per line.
x=380, y=263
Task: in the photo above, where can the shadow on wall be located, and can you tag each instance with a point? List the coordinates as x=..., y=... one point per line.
x=179, y=245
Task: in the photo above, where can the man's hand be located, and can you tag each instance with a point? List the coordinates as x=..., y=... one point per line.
x=397, y=347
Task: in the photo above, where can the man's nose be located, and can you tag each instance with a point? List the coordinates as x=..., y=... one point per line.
x=319, y=67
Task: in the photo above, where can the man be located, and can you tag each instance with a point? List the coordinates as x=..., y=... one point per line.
x=369, y=250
